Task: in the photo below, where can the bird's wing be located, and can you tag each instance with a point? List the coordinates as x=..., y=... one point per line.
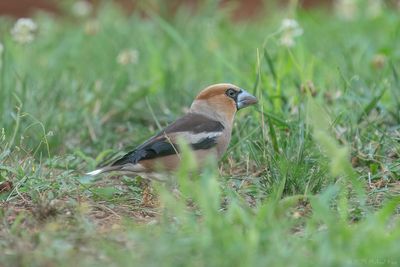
x=199, y=131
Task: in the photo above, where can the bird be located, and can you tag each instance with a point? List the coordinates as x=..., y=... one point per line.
x=206, y=128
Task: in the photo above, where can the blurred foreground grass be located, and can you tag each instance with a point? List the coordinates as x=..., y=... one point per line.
x=311, y=176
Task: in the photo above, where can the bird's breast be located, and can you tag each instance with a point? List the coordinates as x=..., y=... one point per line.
x=223, y=142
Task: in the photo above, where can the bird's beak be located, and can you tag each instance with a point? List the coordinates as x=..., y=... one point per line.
x=245, y=99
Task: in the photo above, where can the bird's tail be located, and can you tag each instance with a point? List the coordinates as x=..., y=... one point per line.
x=104, y=169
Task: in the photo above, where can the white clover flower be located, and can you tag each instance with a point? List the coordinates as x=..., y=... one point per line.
x=287, y=40
x=24, y=30
x=129, y=56
x=82, y=8
x=289, y=29
x=291, y=25
x=346, y=9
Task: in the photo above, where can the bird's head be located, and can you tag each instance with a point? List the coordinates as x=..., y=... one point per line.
x=222, y=101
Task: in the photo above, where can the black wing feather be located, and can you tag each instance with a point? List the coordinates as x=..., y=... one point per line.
x=159, y=146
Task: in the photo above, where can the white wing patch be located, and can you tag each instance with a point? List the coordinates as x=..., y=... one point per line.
x=194, y=138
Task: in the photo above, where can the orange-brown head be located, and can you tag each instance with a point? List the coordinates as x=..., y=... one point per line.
x=221, y=101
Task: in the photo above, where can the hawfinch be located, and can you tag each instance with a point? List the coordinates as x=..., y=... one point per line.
x=207, y=129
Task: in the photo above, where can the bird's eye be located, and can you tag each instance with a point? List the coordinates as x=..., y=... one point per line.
x=231, y=93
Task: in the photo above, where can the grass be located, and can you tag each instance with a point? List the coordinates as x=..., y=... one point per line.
x=311, y=176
